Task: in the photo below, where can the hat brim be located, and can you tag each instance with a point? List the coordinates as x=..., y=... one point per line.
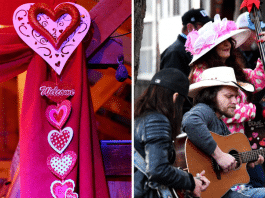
x=240, y=36
x=198, y=86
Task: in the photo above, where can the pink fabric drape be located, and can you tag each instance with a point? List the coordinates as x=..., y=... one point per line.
x=36, y=178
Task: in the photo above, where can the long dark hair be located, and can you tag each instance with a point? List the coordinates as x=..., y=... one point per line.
x=160, y=99
x=212, y=59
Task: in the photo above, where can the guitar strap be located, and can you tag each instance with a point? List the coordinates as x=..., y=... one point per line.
x=139, y=163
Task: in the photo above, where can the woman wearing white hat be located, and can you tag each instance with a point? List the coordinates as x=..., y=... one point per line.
x=214, y=45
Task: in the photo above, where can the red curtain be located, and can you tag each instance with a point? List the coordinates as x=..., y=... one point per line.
x=36, y=178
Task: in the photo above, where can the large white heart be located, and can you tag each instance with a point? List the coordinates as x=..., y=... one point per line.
x=59, y=140
x=55, y=58
x=62, y=165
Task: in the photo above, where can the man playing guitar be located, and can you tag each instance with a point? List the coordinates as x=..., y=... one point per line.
x=215, y=96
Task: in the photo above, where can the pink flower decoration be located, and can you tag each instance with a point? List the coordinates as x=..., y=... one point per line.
x=202, y=39
x=191, y=38
x=231, y=25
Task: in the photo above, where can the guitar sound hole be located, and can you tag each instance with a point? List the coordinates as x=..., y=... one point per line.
x=235, y=154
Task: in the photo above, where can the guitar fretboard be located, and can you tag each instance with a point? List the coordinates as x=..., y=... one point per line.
x=251, y=155
x=256, y=18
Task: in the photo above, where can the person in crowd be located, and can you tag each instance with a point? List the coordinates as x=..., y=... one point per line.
x=214, y=45
x=175, y=55
x=158, y=114
x=249, y=48
x=216, y=96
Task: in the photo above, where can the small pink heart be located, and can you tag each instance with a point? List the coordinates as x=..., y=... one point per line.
x=250, y=138
x=62, y=165
x=57, y=115
x=255, y=135
x=58, y=188
x=70, y=194
x=254, y=146
x=59, y=140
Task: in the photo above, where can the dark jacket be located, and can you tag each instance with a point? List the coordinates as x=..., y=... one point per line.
x=152, y=139
x=176, y=56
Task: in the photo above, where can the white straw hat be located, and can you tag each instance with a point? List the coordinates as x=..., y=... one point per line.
x=218, y=76
x=213, y=33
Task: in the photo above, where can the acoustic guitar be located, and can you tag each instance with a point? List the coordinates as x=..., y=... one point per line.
x=236, y=144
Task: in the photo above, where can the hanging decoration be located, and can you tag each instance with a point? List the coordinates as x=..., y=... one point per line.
x=54, y=41
x=55, y=35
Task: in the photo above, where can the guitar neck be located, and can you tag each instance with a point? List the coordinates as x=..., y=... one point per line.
x=251, y=156
x=256, y=18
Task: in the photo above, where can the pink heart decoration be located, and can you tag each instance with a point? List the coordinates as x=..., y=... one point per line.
x=255, y=135
x=254, y=146
x=62, y=165
x=56, y=28
x=70, y=194
x=58, y=188
x=59, y=140
x=57, y=115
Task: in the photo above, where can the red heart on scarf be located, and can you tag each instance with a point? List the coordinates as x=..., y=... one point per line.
x=58, y=188
x=61, y=165
x=59, y=140
x=56, y=92
x=70, y=194
x=57, y=115
x=262, y=142
x=64, y=8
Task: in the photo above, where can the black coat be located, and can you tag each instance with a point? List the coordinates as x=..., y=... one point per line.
x=176, y=56
x=152, y=139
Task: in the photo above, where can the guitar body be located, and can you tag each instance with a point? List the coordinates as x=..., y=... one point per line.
x=198, y=161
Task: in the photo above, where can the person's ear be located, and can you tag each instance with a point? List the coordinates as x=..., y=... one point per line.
x=175, y=95
x=190, y=27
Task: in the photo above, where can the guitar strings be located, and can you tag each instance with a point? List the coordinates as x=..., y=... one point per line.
x=258, y=30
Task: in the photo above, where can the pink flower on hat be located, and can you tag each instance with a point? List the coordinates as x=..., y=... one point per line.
x=208, y=34
x=192, y=37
